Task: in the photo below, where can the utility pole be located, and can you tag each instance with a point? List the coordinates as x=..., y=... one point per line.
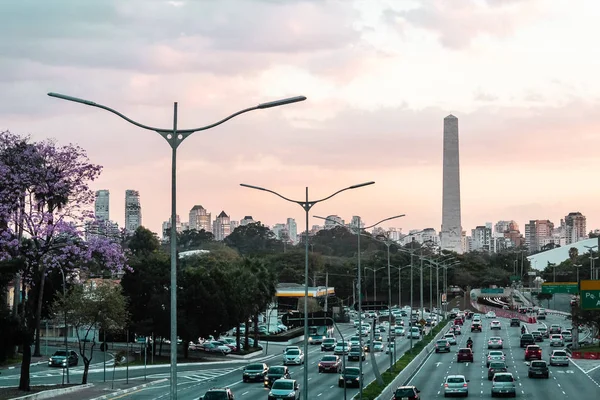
x=326, y=288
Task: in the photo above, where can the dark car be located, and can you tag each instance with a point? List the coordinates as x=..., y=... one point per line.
x=406, y=393
x=328, y=344
x=218, y=394
x=442, y=346
x=526, y=340
x=537, y=336
x=538, y=368
x=533, y=352
x=496, y=366
x=356, y=353
x=255, y=372
x=59, y=359
x=276, y=372
x=330, y=364
x=465, y=354
x=350, y=376
x=476, y=326
x=515, y=322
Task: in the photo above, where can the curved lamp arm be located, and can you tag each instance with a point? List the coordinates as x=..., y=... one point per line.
x=383, y=220
x=268, y=190
x=343, y=190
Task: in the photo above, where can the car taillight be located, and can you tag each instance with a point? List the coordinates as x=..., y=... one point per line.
x=464, y=385
x=445, y=385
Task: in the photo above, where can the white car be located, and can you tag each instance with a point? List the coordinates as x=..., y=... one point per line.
x=556, y=340
x=450, y=338
x=399, y=330
x=293, y=356
x=559, y=357
x=490, y=314
x=495, y=342
x=495, y=324
x=415, y=333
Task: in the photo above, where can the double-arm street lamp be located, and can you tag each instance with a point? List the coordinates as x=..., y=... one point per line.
x=174, y=136
x=592, y=258
x=374, y=280
x=358, y=230
x=306, y=206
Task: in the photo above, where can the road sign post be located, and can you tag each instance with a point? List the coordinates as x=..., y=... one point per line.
x=590, y=295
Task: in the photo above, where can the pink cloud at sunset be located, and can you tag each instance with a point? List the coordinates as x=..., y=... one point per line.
x=380, y=76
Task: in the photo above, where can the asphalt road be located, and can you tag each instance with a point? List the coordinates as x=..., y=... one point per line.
x=560, y=302
x=195, y=381
x=564, y=383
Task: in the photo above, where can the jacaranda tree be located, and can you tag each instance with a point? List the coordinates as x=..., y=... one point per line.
x=45, y=202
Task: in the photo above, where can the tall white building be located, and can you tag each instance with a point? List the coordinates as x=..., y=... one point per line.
x=200, y=219
x=332, y=221
x=356, y=223
x=280, y=231
x=247, y=220
x=102, y=205
x=133, y=211
x=292, y=229
x=166, y=228
x=222, y=226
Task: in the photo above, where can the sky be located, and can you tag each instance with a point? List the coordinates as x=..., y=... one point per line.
x=379, y=77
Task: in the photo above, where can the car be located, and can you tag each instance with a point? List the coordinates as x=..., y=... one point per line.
x=556, y=340
x=559, y=357
x=341, y=348
x=232, y=346
x=330, y=364
x=355, y=341
x=456, y=330
x=456, y=385
x=544, y=331
x=377, y=346
x=464, y=354
x=515, y=322
x=442, y=346
x=537, y=337
x=350, y=376
x=503, y=383
x=218, y=394
x=567, y=336
x=538, y=368
x=495, y=324
x=495, y=342
x=356, y=353
x=59, y=359
x=389, y=348
x=276, y=372
x=494, y=355
x=490, y=314
x=255, y=372
x=458, y=321
x=533, y=352
x=414, y=333
x=329, y=344
x=541, y=313
x=399, y=331
x=211, y=347
x=293, y=356
x=450, y=338
x=284, y=389
x=406, y=393
x=526, y=339
x=495, y=367
x=554, y=328
x=476, y=326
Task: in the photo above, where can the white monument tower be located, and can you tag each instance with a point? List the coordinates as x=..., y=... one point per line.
x=451, y=234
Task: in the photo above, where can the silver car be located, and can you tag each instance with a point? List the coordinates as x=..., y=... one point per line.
x=285, y=389
x=503, y=383
x=456, y=385
x=567, y=336
x=495, y=342
x=556, y=340
x=559, y=357
x=293, y=356
x=450, y=338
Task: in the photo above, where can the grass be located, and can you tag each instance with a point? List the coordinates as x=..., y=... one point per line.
x=197, y=357
x=11, y=361
x=373, y=390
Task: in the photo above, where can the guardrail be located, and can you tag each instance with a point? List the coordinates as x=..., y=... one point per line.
x=412, y=367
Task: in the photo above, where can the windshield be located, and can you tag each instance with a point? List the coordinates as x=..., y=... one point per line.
x=276, y=370
x=258, y=367
x=442, y=342
x=497, y=365
x=329, y=341
x=496, y=353
x=538, y=364
x=329, y=358
x=456, y=380
x=351, y=371
x=503, y=378
x=404, y=393
x=293, y=352
x=283, y=385
x=560, y=353
x=220, y=395
x=60, y=353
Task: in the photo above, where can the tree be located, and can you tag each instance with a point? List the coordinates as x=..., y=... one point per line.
x=253, y=239
x=44, y=202
x=90, y=307
x=544, y=296
x=573, y=253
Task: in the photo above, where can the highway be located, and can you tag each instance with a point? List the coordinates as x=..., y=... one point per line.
x=196, y=381
x=564, y=383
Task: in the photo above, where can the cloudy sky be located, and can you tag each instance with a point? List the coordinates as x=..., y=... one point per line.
x=380, y=76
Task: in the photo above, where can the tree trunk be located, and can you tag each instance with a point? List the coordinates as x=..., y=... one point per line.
x=24, y=381
x=246, y=335
x=86, y=368
x=237, y=338
x=255, y=320
x=38, y=312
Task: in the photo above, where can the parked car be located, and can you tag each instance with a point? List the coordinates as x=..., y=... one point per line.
x=284, y=389
x=533, y=352
x=350, y=377
x=60, y=359
x=276, y=372
x=210, y=347
x=464, y=355
x=495, y=367
x=559, y=357
x=538, y=368
x=503, y=383
x=456, y=385
x=255, y=372
x=442, y=346
x=330, y=364
x=406, y=393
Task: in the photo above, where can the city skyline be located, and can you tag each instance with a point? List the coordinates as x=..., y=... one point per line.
x=376, y=95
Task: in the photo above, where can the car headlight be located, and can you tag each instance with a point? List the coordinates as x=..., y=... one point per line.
x=320, y=365
x=292, y=394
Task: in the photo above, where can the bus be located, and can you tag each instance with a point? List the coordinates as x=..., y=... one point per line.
x=316, y=334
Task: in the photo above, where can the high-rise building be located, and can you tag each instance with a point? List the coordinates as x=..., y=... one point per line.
x=538, y=233
x=451, y=234
x=166, y=228
x=247, y=220
x=222, y=226
x=133, y=211
x=280, y=231
x=481, y=239
x=292, y=229
x=233, y=224
x=331, y=221
x=501, y=227
x=102, y=205
x=200, y=219
x=356, y=223
x=575, y=227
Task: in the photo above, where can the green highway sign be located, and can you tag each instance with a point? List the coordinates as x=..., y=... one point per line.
x=514, y=278
x=141, y=339
x=560, y=287
x=590, y=295
x=495, y=290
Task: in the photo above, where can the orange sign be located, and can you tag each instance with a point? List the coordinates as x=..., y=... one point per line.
x=590, y=285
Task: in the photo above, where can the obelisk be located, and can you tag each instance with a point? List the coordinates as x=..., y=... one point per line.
x=451, y=237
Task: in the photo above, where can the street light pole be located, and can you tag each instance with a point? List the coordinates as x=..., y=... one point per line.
x=307, y=205
x=66, y=326
x=174, y=138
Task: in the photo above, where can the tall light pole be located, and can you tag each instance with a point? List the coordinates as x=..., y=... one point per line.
x=66, y=326
x=577, y=266
x=306, y=206
x=592, y=258
x=359, y=289
x=174, y=138
x=374, y=280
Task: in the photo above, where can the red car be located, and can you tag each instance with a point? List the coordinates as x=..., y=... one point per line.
x=463, y=355
x=533, y=352
x=458, y=321
x=330, y=364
